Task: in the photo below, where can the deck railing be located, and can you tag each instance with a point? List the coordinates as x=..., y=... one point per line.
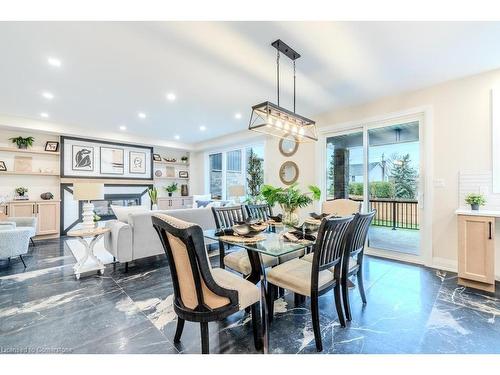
x=394, y=213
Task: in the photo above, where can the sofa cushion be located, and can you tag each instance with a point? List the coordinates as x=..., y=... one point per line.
x=122, y=212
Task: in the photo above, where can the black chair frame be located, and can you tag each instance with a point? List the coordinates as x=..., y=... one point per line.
x=192, y=237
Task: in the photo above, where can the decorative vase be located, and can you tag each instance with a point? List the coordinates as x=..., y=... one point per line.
x=184, y=190
x=154, y=207
x=22, y=146
x=169, y=194
x=290, y=217
x=474, y=207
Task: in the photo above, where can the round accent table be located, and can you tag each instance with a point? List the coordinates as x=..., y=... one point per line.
x=89, y=262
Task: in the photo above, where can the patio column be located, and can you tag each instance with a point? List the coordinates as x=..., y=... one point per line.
x=341, y=173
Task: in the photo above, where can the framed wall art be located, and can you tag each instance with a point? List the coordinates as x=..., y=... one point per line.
x=137, y=162
x=112, y=160
x=82, y=158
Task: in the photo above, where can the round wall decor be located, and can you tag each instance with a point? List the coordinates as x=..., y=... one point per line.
x=288, y=145
x=289, y=172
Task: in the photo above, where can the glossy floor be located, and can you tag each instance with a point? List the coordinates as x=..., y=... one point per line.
x=410, y=309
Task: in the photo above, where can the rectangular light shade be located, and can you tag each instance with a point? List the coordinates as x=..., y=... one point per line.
x=271, y=119
x=86, y=191
x=236, y=191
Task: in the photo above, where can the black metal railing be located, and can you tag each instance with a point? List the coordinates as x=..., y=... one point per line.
x=394, y=213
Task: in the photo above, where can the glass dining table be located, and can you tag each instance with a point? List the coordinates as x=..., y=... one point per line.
x=273, y=244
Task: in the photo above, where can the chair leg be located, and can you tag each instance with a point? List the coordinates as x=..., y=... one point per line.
x=222, y=253
x=338, y=304
x=257, y=337
x=32, y=242
x=345, y=299
x=281, y=292
x=204, y=338
x=271, y=296
x=298, y=299
x=315, y=321
x=178, y=331
x=126, y=267
x=361, y=286
x=22, y=260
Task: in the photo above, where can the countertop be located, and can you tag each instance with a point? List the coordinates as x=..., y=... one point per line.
x=480, y=212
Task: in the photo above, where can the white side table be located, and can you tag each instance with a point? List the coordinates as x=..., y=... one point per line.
x=89, y=262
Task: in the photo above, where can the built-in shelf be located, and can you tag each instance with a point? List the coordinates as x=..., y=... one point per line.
x=171, y=178
x=29, y=173
x=176, y=164
x=28, y=151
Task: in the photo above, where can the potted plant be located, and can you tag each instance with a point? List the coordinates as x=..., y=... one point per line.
x=184, y=159
x=172, y=188
x=23, y=143
x=96, y=220
x=20, y=191
x=290, y=200
x=153, y=195
x=475, y=200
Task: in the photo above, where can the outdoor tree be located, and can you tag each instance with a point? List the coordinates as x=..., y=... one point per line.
x=404, y=177
x=331, y=175
x=255, y=176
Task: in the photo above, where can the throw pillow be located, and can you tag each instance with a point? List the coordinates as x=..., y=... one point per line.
x=201, y=204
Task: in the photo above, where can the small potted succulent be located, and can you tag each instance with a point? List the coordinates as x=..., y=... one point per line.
x=23, y=143
x=153, y=195
x=20, y=191
x=475, y=200
x=172, y=188
x=184, y=159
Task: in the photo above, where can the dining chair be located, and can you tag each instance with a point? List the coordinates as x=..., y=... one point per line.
x=201, y=293
x=239, y=261
x=341, y=207
x=312, y=279
x=259, y=211
x=353, y=263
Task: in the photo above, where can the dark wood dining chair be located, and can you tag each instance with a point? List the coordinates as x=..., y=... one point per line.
x=353, y=262
x=259, y=211
x=239, y=261
x=312, y=279
x=201, y=293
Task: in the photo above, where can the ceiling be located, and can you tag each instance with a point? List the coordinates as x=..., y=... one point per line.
x=111, y=71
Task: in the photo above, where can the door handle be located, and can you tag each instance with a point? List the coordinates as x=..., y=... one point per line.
x=489, y=225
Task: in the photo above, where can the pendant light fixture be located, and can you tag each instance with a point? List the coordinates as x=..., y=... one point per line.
x=271, y=119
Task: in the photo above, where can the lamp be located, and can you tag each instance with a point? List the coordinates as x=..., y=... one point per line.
x=271, y=119
x=237, y=191
x=87, y=191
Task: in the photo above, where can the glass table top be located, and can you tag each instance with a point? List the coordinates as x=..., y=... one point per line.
x=273, y=244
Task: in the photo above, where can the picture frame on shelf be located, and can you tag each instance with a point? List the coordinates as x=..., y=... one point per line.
x=156, y=157
x=137, y=162
x=112, y=160
x=3, y=167
x=51, y=146
x=183, y=174
x=82, y=158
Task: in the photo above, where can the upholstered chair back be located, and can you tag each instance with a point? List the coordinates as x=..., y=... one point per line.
x=341, y=207
x=331, y=242
x=361, y=225
x=259, y=211
x=226, y=217
x=194, y=286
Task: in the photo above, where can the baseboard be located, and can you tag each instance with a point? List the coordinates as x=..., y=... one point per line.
x=449, y=265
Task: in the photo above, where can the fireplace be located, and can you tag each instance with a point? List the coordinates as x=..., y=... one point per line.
x=103, y=209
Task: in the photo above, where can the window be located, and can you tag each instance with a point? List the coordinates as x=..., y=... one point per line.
x=228, y=169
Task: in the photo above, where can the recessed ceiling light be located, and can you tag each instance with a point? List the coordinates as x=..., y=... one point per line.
x=53, y=61
x=177, y=137
x=141, y=115
x=171, y=96
x=44, y=115
x=203, y=128
x=237, y=116
x=48, y=95
x=123, y=127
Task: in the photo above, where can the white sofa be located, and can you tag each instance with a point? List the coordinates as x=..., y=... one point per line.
x=138, y=239
x=14, y=241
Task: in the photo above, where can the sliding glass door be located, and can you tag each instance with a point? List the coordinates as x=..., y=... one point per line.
x=379, y=165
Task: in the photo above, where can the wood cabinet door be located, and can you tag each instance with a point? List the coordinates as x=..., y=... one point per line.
x=176, y=204
x=164, y=203
x=476, y=248
x=187, y=202
x=47, y=217
x=21, y=209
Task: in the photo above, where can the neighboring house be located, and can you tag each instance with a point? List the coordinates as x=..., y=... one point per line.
x=377, y=172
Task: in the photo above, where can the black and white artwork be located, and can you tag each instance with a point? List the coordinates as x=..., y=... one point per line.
x=111, y=160
x=82, y=158
x=137, y=162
